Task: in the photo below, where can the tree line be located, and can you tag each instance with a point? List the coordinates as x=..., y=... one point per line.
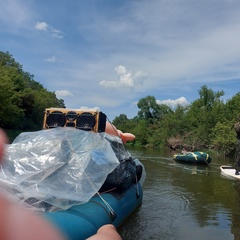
x=23, y=100
x=206, y=123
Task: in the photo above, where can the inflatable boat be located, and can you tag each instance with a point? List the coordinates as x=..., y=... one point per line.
x=75, y=171
x=193, y=157
x=82, y=221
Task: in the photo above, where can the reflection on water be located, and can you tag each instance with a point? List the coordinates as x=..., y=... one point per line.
x=183, y=201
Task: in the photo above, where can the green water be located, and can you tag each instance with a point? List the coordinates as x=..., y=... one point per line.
x=183, y=201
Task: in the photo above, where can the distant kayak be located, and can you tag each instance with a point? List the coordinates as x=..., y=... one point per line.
x=229, y=171
x=193, y=157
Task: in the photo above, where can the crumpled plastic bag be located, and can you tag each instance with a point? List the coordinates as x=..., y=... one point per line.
x=61, y=167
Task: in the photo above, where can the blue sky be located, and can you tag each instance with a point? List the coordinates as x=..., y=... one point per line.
x=109, y=53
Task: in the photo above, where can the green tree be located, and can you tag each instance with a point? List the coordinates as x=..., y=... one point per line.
x=10, y=72
x=201, y=114
x=233, y=108
x=141, y=131
x=44, y=99
x=208, y=97
x=121, y=122
x=10, y=113
x=223, y=137
x=149, y=109
x=23, y=100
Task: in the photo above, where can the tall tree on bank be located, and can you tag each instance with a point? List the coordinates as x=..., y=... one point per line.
x=202, y=115
x=148, y=108
x=23, y=100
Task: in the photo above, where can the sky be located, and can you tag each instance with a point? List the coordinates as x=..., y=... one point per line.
x=110, y=54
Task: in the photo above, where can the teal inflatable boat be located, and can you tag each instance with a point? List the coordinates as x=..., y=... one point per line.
x=82, y=221
x=76, y=171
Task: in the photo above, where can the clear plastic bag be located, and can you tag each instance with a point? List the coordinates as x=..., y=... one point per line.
x=60, y=167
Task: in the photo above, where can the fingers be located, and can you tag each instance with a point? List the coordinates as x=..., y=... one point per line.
x=106, y=232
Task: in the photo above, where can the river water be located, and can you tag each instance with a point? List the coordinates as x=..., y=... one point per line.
x=183, y=201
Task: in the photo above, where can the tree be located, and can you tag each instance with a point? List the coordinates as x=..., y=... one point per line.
x=23, y=100
x=233, y=108
x=121, y=122
x=223, y=137
x=201, y=115
x=141, y=132
x=208, y=97
x=149, y=109
x=10, y=113
x=10, y=71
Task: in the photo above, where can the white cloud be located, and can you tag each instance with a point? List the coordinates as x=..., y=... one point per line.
x=125, y=78
x=63, y=93
x=51, y=59
x=57, y=33
x=182, y=101
x=43, y=26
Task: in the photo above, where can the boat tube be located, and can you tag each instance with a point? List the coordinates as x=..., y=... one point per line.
x=193, y=157
x=79, y=176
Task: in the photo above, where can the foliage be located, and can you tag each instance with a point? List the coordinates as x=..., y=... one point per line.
x=224, y=137
x=233, y=108
x=205, y=123
x=122, y=122
x=150, y=110
x=23, y=100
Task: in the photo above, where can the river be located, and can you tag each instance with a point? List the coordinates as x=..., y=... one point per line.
x=183, y=201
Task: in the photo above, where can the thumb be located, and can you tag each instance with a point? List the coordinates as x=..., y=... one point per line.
x=3, y=141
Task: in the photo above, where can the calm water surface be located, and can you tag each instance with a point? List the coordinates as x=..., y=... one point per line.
x=184, y=201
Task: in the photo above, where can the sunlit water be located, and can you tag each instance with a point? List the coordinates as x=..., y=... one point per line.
x=183, y=201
